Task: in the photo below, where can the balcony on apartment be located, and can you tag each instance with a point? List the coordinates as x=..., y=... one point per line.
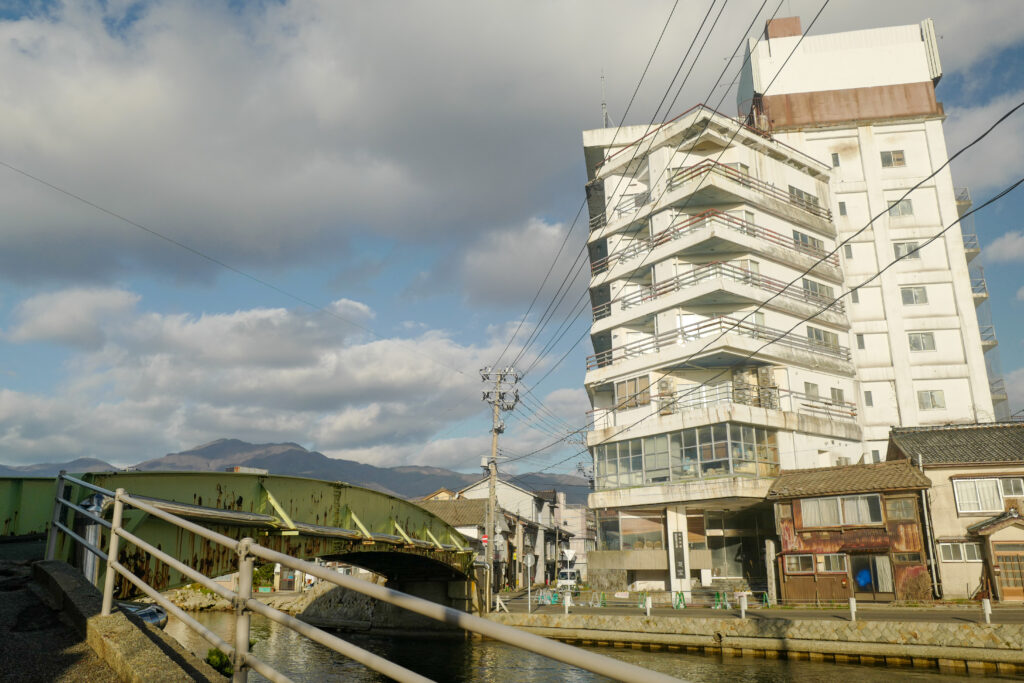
x=963, y=200
x=729, y=331
x=696, y=397
x=711, y=182
x=753, y=287
x=972, y=247
x=715, y=230
x=979, y=287
x=988, y=337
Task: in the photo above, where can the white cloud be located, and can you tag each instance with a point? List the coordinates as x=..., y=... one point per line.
x=75, y=317
x=999, y=158
x=1007, y=247
x=1015, y=389
x=1020, y=294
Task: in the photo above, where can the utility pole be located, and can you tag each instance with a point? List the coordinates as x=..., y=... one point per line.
x=500, y=399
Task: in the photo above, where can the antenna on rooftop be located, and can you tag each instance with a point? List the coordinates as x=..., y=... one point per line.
x=605, y=119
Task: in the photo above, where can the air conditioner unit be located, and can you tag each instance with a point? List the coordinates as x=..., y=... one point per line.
x=666, y=390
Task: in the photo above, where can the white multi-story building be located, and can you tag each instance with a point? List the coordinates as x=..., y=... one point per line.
x=699, y=399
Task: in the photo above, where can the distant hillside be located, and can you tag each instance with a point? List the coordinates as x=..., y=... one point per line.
x=407, y=481
x=51, y=469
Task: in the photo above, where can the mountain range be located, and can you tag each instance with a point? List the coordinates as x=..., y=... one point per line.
x=408, y=481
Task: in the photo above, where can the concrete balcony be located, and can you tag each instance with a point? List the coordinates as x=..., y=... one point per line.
x=997, y=387
x=988, y=337
x=723, y=491
x=963, y=199
x=710, y=183
x=730, y=401
x=717, y=342
x=714, y=230
x=721, y=284
x=972, y=248
x=979, y=287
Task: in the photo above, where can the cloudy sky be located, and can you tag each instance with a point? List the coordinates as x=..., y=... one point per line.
x=355, y=204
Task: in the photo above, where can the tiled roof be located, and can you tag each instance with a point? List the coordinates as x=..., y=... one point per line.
x=897, y=475
x=458, y=512
x=959, y=444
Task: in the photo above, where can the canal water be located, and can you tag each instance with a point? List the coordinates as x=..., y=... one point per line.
x=458, y=660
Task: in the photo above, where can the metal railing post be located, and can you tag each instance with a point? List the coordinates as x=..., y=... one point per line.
x=245, y=568
x=108, y=579
x=51, y=539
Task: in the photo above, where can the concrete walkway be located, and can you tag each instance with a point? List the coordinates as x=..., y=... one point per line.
x=35, y=644
x=932, y=614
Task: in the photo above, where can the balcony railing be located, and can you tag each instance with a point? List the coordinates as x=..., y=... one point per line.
x=997, y=386
x=988, y=334
x=771, y=398
x=978, y=286
x=680, y=176
x=714, y=327
x=711, y=271
x=971, y=242
x=686, y=224
x=963, y=195
x=737, y=393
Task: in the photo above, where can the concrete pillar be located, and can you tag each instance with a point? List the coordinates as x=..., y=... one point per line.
x=538, y=575
x=678, y=549
x=769, y=567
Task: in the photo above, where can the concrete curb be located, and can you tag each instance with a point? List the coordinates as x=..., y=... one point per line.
x=135, y=651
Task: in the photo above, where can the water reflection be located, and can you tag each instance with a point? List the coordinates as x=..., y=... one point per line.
x=458, y=660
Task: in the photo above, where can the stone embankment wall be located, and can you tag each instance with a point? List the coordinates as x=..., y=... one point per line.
x=952, y=647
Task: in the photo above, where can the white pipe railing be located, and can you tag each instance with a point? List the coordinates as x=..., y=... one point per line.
x=248, y=550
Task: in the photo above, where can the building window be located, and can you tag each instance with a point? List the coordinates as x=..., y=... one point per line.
x=799, y=564
x=893, y=159
x=905, y=250
x=633, y=392
x=833, y=563
x=1013, y=487
x=821, y=337
x=855, y=296
x=818, y=290
x=848, y=250
x=931, y=399
x=805, y=242
x=840, y=511
x=906, y=558
x=811, y=389
x=805, y=199
x=837, y=395
x=900, y=508
x=868, y=400
x=842, y=208
x=914, y=295
x=960, y=552
x=903, y=207
x=977, y=495
x=921, y=341
x=835, y=159
x=860, y=341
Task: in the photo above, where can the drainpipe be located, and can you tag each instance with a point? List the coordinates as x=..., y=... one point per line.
x=929, y=546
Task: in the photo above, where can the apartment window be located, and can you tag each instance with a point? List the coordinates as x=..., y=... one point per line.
x=818, y=290
x=837, y=395
x=835, y=159
x=903, y=207
x=822, y=337
x=913, y=296
x=833, y=563
x=842, y=208
x=838, y=511
x=868, y=400
x=977, y=495
x=906, y=250
x=801, y=197
x=848, y=250
x=759, y=318
x=931, y=399
x=860, y=341
x=922, y=341
x=875, y=455
x=906, y=558
x=799, y=564
x=742, y=168
x=900, y=508
x=893, y=159
x=811, y=389
x=807, y=243
x=960, y=552
x=855, y=296
x=633, y=392
x=1013, y=487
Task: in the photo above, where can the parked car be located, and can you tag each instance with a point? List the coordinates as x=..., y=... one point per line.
x=568, y=579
